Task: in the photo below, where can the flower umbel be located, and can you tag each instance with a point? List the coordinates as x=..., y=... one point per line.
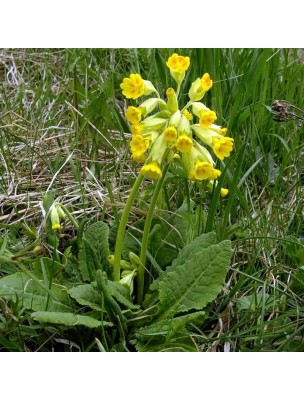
x=160, y=129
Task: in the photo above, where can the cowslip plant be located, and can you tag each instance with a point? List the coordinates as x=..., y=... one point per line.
x=184, y=135
x=87, y=287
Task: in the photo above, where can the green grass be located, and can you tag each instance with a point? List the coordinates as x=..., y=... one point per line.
x=62, y=127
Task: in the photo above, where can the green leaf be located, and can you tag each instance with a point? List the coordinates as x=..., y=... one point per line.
x=67, y=319
x=180, y=342
x=32, y=294
x=94, y=250
x=121, y=294
x=168, y=327
x=86, y=295
x=201, y=242
x=196, y=282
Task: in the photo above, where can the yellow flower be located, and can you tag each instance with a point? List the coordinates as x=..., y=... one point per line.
x=139, y=145
x=151, y=170
x=178, y=66
x=222, y=147
x=188, y=115
x=184, y=144
x=133, y=115
x=224, y=192
x=199, y=87
x=55, y=218
x=136, y=129
x=133, y=87
x=206, y=82
x=170, y=133
x=178, y=63
x=204, y=170
x=55, y=226
x=206, y=118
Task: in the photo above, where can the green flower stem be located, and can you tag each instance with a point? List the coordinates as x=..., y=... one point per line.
x=187, y=105
x=123, y=224
x=145, y=237
x=178, y=89
x=70, y=216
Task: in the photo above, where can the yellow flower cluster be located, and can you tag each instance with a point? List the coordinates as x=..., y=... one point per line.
x=171, y=133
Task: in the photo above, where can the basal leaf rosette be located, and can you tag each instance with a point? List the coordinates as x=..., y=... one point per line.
x=172, y=133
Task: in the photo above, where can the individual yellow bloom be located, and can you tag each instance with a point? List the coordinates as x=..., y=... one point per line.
x=206, y=82
x=184, y=144
x=55, y=226
x=199, y=87
x=139, y=145
x=178, y=63
x=151, y=170
x=55, y=218
x=178, y=66
x=136, y=129
x=133, y=115
x=222, y=147
x=170, y=133
x=224, y=192
x=133, y=87
x=206, y=118
x=204, y=170
x=188, y=115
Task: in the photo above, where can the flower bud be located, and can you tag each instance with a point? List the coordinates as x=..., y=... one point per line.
x=128, y=278
x=55, y=218
x=172, y=104
x=38, y=250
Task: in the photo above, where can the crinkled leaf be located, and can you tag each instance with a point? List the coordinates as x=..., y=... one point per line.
x=86, y=295
x=201, y=242
x=94, y=250
x=33, y=294
x=68, y=319
x=196, y=282
x=121, y=294
x=168, y=327
x=180, y=342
